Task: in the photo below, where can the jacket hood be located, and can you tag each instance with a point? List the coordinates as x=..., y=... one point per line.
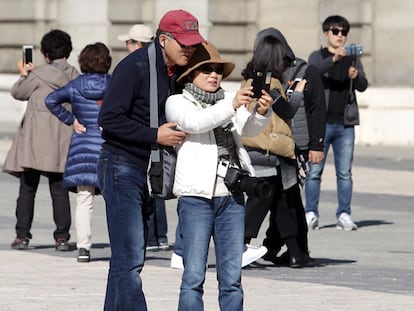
x=93, y=85
x=66, y=73
x=273, y=32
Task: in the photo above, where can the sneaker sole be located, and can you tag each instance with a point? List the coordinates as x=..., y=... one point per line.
x=314, y=226
x=339, y=227
x=62, y=248
x=152, y=248
x=253, y=259
x=164, y=248
x=84, y=259
x=20, y=247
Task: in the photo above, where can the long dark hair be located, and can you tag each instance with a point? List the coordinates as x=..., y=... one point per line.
x=269, y=55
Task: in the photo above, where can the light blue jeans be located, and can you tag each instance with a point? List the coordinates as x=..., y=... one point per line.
x=123, y=185
x=342, y=140
x=200, y=219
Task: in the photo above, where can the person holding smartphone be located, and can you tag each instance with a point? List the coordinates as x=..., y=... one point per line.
x=274, y=159
x=338, y=72
x=209, y=208
x=41, y=142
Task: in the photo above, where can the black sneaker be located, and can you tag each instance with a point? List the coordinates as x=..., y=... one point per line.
x=62, y=245
x=20, y=244
x=84, y=255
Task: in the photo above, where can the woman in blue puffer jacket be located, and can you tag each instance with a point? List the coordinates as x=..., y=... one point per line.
x=85, y=94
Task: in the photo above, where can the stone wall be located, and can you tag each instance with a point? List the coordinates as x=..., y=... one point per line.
x=382, y=26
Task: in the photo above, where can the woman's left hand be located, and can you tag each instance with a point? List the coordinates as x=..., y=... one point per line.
x=77, y=127
x=264, y=103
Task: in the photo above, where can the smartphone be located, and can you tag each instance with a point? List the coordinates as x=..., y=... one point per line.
x=354, y=49
x=261, y=81
x=27, y=54
x=292, y=86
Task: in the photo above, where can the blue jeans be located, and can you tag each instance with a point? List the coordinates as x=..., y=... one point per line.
x=223, y=219
x=342, y=140
x=178, y=243
x=123, y=187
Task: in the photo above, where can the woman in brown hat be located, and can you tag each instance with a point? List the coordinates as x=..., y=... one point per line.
x=208, y=205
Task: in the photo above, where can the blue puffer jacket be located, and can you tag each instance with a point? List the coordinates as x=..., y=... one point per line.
x=85, y=94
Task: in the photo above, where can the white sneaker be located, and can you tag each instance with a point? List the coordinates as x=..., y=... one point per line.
x=252, y=253
x=312, y=220
x=345, y=222
x=176, y=261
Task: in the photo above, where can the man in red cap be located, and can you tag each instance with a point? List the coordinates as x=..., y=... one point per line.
x=128, y=138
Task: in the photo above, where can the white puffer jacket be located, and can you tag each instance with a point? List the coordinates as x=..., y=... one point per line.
x=197, y=156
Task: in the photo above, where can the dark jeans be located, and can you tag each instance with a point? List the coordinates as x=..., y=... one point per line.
x=123, y=185
x=29, y=183
x=157, y=224
x=287, y=216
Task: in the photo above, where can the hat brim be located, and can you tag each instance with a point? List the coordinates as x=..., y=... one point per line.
x=189, y=39
x=227, y=70
x=124, y=37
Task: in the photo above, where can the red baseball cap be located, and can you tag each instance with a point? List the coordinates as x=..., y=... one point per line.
x=182, y=25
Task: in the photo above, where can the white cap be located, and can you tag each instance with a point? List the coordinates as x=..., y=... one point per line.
x=138, y=32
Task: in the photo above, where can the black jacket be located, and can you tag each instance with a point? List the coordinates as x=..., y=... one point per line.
x=125, y=112
x=336, y=81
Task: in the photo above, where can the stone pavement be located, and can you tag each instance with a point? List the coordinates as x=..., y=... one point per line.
x=364, y=270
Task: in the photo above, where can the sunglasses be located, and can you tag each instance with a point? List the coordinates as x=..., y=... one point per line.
x=336, y=31
x=209, y=68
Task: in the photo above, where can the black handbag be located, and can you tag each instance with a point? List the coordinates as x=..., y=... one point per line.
x=162, y=173
x=351, y=111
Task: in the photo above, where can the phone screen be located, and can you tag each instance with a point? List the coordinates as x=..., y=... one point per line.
x=27, y=54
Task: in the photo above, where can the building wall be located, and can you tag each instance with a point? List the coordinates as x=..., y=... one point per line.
x=382, y=26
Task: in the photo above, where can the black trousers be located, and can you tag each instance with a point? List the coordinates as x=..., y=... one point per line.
x=29, y=182
x=287, y=216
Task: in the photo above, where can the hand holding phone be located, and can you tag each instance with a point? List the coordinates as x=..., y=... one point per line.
x=261, y=81
x=27, y=54
x=292, y=86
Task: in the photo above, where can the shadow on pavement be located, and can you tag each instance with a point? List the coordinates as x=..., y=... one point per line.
x=362, y=223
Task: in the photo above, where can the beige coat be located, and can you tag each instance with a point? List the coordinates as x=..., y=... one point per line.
x=277, y=137
x=41, y=141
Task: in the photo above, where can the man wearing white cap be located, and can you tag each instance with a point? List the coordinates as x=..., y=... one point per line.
x=137, y=36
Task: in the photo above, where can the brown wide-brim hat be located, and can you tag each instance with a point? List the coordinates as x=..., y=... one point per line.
x=206, y=53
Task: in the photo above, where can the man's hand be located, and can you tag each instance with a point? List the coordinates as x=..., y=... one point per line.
x=315, y=157
x=340, y=52
x=352, y=72
x=168, y=136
